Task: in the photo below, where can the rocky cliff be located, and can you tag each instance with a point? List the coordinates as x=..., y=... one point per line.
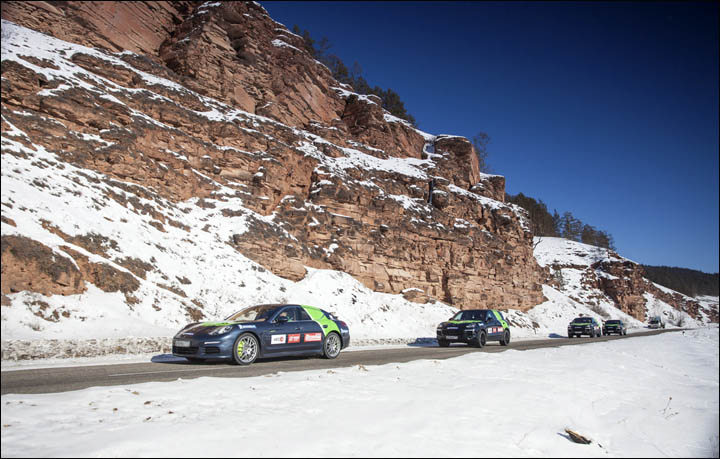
x=162, y=106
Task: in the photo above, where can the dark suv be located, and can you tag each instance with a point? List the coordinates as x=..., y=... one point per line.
x=475, y=327
x=584, y=326
x=614, y=326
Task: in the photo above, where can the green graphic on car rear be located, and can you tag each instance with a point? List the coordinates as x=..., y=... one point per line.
x=500, y=319
x=326, y=324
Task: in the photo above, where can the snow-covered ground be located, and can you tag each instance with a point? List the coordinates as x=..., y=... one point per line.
x=651, y=396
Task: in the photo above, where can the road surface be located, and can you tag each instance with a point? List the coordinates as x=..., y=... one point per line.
x=50, y=380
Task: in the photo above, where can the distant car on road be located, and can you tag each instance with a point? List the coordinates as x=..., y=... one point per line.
x=656, y=322
x=584, y=326
x=614, y=326
x=269, y=330
x=475, y=327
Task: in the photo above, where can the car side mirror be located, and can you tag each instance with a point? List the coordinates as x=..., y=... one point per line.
x=281, y=319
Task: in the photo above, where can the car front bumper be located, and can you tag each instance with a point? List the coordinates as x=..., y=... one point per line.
x=580, y=331
x=456, y=336
x=204, y=347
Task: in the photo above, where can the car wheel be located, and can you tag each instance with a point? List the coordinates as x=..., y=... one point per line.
x=443, y=343
x=331, y=348
x=245, y=349
x=506, y=338
x=194, y=360
x=481, y=339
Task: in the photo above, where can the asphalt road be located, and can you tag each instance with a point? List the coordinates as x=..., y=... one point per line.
x=163, y=369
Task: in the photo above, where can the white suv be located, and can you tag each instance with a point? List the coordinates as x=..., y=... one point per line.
x=656, y=322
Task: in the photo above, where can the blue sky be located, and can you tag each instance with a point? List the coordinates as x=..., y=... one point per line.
x=607, y=110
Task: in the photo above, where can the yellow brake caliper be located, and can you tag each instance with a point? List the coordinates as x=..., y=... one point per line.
x=240, y=347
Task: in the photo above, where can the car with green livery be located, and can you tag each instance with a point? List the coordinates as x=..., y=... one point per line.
x=474, y=327
x=268, y=330
x=614, y=326
x=584, y=326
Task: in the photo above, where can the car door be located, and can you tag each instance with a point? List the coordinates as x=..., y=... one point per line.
x=284, y=332
x=312, y=332
x=494, y=327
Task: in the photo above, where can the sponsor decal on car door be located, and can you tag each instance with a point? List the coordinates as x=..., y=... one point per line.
x=313, y=337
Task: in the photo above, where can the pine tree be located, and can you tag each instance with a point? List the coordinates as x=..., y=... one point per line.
x=572, y=227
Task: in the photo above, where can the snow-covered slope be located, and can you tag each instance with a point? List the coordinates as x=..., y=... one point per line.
x=187, y=266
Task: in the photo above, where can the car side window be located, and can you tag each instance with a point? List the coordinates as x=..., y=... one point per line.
x=290, y=313
x=303, y=315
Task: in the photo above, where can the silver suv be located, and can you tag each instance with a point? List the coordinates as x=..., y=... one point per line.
x=656, y=322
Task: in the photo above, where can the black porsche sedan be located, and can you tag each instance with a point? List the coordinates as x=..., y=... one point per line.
x=269, y=330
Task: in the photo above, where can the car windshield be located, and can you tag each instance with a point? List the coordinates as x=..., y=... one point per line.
x=613, y=322
x=254, y=313
x=582, y=320
x=654, y=320
x=470, y=315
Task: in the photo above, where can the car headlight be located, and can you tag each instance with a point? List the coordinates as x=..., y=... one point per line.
x=221, y=330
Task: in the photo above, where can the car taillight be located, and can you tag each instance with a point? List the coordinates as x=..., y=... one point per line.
x=343, y=324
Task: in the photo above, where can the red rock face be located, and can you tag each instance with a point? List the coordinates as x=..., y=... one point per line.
x=140, y=27
x=242, y=106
